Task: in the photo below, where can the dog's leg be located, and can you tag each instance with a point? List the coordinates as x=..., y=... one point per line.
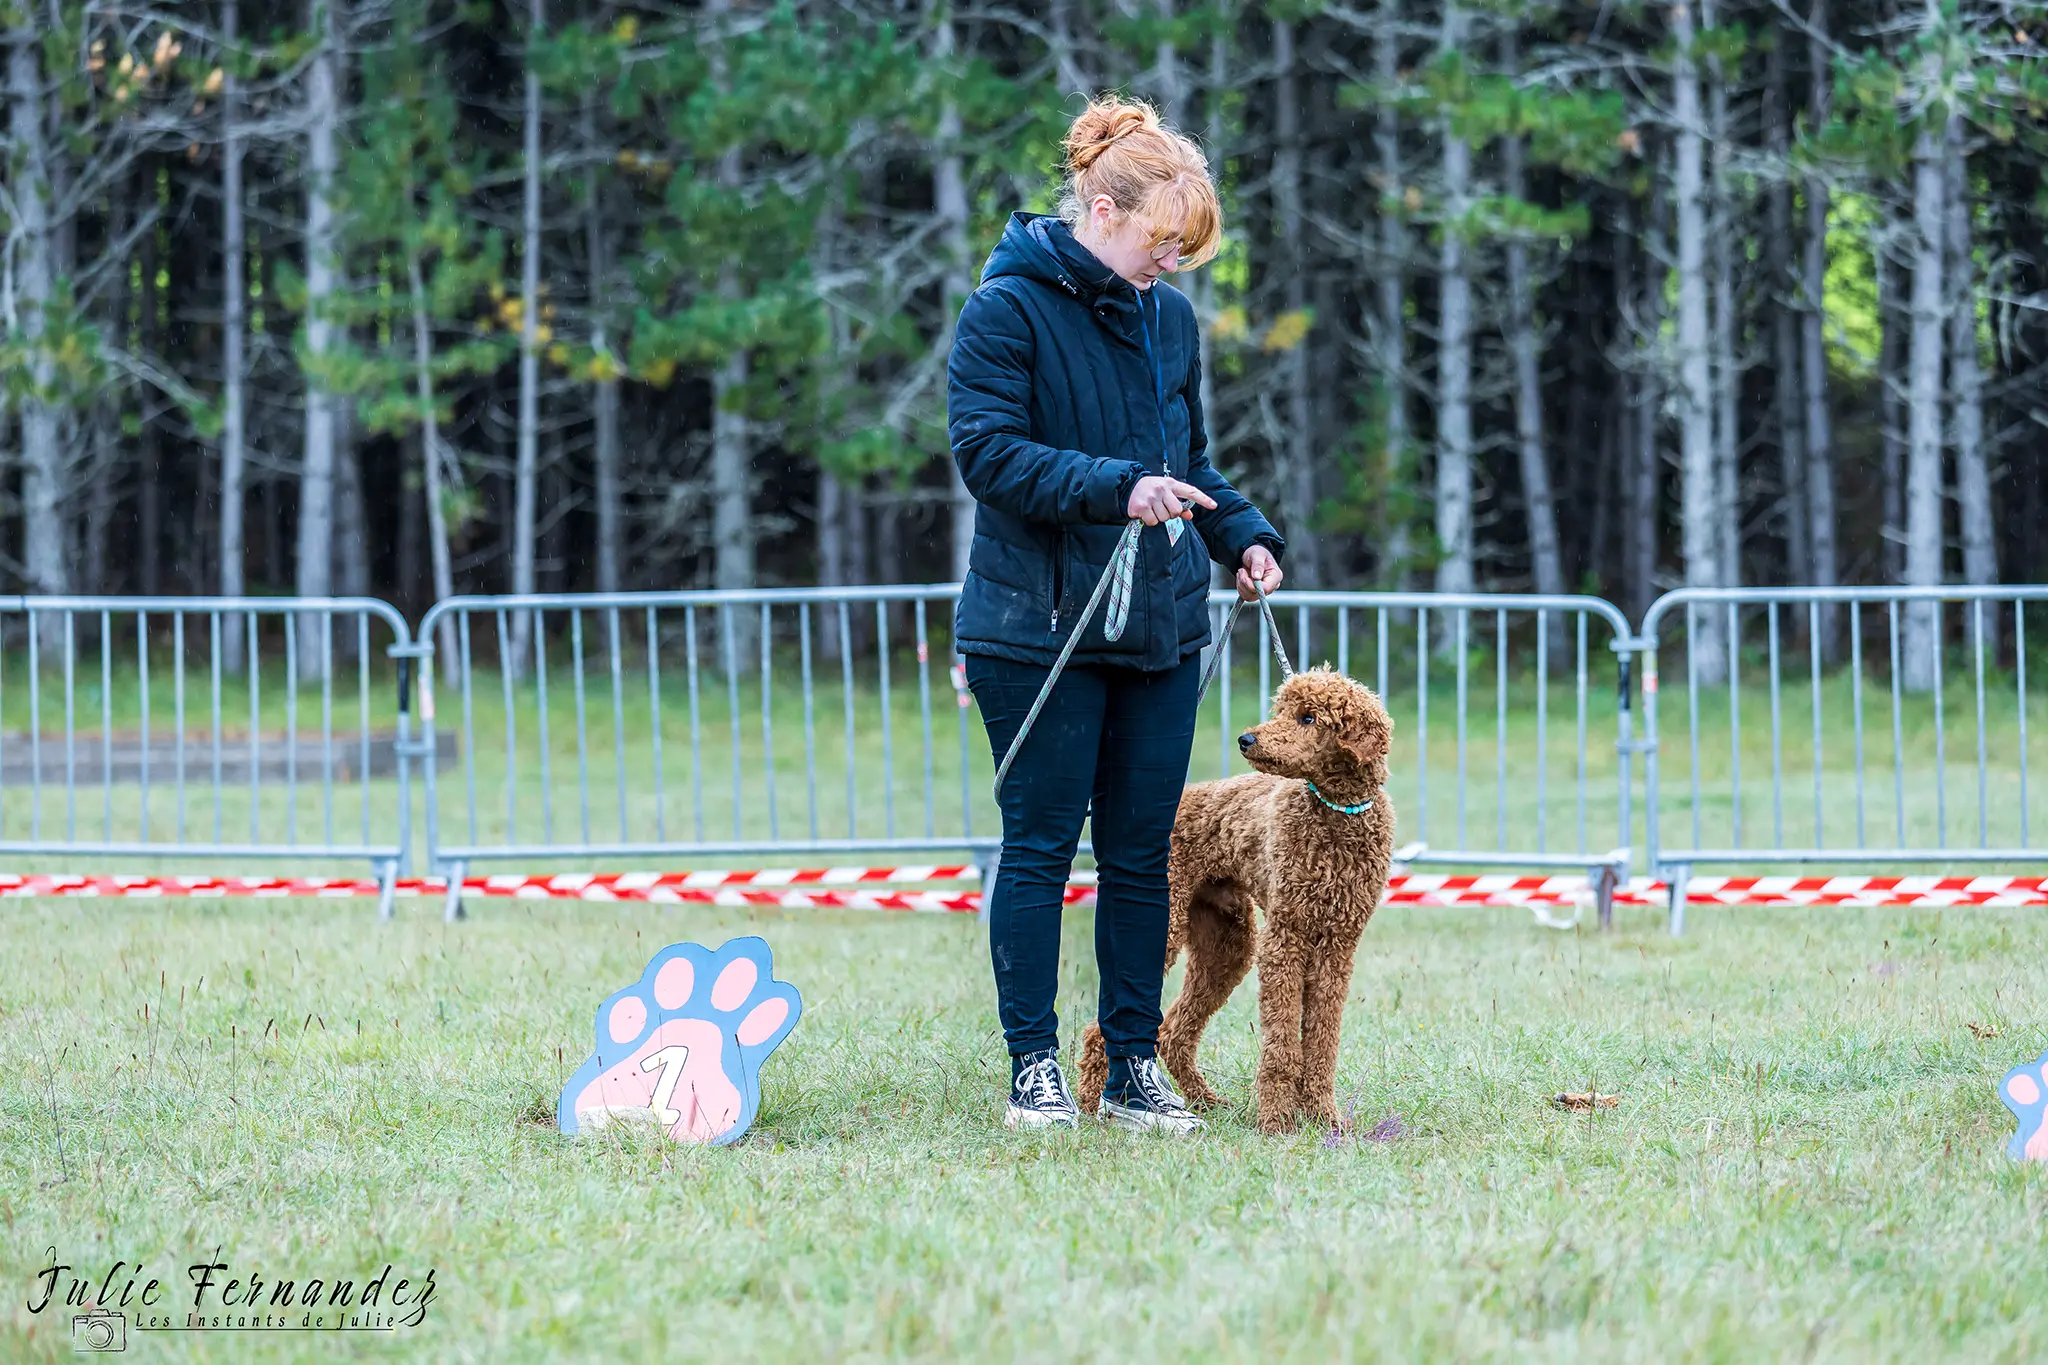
x=1326, y=985
x=1091, y=1072
x=1283, y=960
x=1218, y=939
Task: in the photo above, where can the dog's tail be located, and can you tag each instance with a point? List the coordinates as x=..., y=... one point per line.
x=1092, y=1070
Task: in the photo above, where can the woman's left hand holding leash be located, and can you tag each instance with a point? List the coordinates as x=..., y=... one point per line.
x=1260, y=572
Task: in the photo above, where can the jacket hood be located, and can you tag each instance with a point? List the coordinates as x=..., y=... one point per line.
x=1043, y=248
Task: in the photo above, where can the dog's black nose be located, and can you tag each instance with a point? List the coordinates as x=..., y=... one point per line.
x=1245, y=742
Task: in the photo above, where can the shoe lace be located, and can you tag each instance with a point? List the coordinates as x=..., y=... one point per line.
x=1044, y=1086
x=1156, y=1088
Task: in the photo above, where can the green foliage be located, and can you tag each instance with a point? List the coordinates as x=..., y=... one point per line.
x=1985, y=69
x=403, y=195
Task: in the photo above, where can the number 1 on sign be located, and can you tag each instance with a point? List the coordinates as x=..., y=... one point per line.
x=671, y=1061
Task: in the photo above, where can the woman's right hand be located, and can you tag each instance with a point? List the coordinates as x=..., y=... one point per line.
x=1158, y=499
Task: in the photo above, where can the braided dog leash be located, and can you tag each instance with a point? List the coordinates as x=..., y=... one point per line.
x=1119, y=574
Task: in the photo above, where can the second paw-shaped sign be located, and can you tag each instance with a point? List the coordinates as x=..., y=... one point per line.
x=682, y=1047
x=2025, y=1092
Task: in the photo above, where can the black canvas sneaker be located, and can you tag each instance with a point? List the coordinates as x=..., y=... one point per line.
x=1139, y=1095
x=1038, y=1093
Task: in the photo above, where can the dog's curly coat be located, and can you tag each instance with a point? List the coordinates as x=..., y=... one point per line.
x=1263, y=839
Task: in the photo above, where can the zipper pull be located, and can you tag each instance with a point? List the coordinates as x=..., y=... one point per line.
x=1055, y=620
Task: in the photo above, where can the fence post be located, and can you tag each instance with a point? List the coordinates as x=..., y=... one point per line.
x=990, y=856
x=1675, y=877
x=1603, y=879
x=404, y=747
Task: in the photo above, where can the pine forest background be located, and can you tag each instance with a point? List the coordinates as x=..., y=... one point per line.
x=410, y=297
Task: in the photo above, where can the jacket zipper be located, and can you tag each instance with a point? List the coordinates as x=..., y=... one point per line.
x=1059, y=580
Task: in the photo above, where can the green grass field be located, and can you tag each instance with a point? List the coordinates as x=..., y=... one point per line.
x=1806, y=1162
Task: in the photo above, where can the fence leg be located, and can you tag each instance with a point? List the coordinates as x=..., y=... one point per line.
x=1676, y=876
x=1603, y=880
x=991, y=858
x=387, y=888
x=451, y=909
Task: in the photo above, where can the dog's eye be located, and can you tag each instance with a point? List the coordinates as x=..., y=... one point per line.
x=1308, y=718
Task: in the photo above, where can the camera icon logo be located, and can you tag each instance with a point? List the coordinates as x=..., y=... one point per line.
x=99, y=1330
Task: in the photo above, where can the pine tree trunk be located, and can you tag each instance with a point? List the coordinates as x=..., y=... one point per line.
x=315, y=560
x=604, y=392
x=432, y=459
x=732, y=512
x=1166, y=74
x=103, y=442
x=1205, y=280
x=351, y=516
x=1726, y=380
x=1544, y=556
x=949, y=202
x=149, y=531
x=732, y=526
x=408, y=593
x=1297, y=459
x=1644, y=300
x=1973, y=480
x=1923, y=409
x=43, y=491
x=1700, y=501
x=1454, y=363
x=1891, y=388
x=831, y=530
x=1066, y=60
x=1821, y=535
x=1390, y=342
x=526, y=470
x=1789, y=396
x=234, y=326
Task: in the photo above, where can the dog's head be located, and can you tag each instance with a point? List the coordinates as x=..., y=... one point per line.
x=1325, y=727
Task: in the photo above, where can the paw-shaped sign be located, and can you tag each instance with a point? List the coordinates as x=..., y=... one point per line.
x=682, y=1047
x=2025, y=1092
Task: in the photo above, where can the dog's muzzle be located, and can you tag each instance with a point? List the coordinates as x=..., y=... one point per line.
x=1246, y=742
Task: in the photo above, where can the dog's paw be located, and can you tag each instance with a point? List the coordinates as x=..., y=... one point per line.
x=2025, y=1092
x=681, y=1048
x=1325, y=1114
x=1278, y=1118
x=1194, y=1087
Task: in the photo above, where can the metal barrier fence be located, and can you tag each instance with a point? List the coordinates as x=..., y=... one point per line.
x=242, y=758
x=744, y=725
x=754, y=666
x=795, y=731
x=1900, y=644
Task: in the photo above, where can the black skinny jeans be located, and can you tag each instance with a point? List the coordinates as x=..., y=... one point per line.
x=1118, y=738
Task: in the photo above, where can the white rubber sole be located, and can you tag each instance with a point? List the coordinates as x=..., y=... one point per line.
x=1032, y=1121
x=1148, y=1120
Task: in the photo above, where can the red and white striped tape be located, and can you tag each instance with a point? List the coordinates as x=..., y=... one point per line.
x=842, y=888
x=1925, y=892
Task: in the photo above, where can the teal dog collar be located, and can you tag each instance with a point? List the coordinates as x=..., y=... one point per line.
x=1359, y=809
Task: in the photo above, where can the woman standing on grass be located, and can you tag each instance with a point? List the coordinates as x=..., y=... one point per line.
x=1074, y=405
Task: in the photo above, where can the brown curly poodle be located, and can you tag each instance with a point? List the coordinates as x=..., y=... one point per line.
x=1310, y=837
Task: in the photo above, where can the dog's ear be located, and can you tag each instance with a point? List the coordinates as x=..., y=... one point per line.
x=1366, y=734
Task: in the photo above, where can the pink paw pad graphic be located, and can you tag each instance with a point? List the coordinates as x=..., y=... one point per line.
x=2025, y=1092
x=682, y=1047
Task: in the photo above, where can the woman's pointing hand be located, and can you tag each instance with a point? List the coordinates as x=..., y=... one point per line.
x=1158, y=499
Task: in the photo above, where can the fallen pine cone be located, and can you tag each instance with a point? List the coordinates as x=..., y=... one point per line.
x=1983, y=1031
x=1580, y=1103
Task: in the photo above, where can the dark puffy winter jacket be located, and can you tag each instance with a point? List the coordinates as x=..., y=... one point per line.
x=1065, y=386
